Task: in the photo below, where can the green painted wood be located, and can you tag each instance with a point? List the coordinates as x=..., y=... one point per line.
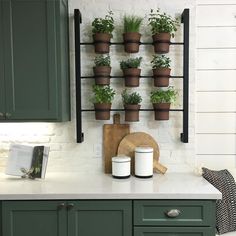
x=193, y=212
x=37, y=218
x=103, y=218
x=34, y=84
x=0, y=217
x=174, y=231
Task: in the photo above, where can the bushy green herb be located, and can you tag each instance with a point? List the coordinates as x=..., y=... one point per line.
x=160, y=61
x=103, y=94
x=132, y=23
x=133, y=98
x=162, y=23
x=131, y=63
x=102, y=60
x=103, y=25
x=163, y=96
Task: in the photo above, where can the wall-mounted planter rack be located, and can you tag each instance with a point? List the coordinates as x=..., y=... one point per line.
x=185, y=77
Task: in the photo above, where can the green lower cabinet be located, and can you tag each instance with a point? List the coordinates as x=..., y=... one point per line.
x=174, y=231
x=100, y=218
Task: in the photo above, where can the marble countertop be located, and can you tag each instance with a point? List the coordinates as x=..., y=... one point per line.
x=103, y=186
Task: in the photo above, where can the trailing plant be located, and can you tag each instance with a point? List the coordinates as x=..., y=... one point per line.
x=102, y=60
x=133, y=98
x=103, y=94
x=160, y=61
x=132, y=23
x=103, y=25
x=131, y=63
x=163, y=96
x=162, y=23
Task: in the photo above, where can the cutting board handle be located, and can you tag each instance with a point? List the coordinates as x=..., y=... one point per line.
x=116, y=118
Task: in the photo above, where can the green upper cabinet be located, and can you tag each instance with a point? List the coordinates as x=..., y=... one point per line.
x=35, y=62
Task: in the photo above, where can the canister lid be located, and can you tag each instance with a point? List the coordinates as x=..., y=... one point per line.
x=144, y=149
x=121, y=159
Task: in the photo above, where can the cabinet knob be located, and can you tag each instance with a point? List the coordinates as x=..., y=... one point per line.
x=70, y=206
x=1, y=114
x=173, y=213
x=61, y=206
x=8, y=114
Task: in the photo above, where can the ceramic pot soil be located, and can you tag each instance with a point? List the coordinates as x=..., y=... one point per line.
x=161, y=111
x=102, y=75
x=102, y=42
x=161, y=42
x=132, y=112
x=161, y=77
x=102, y=111
x=132, y=76
x=131, y=42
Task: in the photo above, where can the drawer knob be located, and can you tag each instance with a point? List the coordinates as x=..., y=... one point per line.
x=8, y=114
x=61, y=206
x=70, y=206
x=173, y=213
x=1, y=114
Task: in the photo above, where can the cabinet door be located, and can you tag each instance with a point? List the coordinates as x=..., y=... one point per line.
x=103, y=218
x=30, y=59
x=174, y=231
x=37, y=218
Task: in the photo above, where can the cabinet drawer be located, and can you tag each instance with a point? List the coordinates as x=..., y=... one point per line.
x=191, y=213
x=174, y=231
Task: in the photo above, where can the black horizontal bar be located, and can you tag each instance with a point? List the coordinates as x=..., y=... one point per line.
x=151, y=109
x=120, y=77
x=141, y=43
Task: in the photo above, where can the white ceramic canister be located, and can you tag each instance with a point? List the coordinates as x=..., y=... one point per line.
x=121, y=167
x=144, y=162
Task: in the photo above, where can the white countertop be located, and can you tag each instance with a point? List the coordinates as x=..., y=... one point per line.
x=102, y=186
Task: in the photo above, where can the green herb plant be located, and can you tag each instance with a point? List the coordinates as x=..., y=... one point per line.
x=133, y=98
x=163, y=96
x=132, y=23
x=103, y=94
x=103, y=25
x=131, y=63
x=102, y=60
x=160, y=61
x=162, y=23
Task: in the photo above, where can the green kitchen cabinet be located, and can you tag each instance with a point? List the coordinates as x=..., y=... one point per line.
x=34, y=60
x=67, y=218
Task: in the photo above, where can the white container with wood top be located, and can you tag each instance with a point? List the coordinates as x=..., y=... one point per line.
x=144, y=162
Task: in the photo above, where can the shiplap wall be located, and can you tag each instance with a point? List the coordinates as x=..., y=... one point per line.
x=216, y=83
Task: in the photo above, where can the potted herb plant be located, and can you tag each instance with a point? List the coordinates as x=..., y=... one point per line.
x=161, y=70
x=102, y=99
x=102, y=33
x=131, y=71
x=131, y=34
x=102, y=70
x=132, y=105
x=163, y=27
x=161, y=101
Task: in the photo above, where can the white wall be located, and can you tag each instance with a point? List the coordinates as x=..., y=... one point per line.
x=65, y=154
x=216, y=83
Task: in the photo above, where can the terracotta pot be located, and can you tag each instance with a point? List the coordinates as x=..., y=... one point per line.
x=132, y=112
x=161, y=77
x=132, y=77
x=102, y=42
x=161, y=42
x=102, y=75
x=131, y=42
x=161, y=111
x=102, y=111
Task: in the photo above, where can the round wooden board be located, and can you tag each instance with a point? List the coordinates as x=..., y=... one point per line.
x=131, y=141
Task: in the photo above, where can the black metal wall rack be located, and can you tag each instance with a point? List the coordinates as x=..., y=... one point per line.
x=185, y=77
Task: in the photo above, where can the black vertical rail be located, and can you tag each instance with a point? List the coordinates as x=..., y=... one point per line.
x=77, y=22
x=185, y=21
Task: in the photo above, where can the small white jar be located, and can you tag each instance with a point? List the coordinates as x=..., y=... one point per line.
x=144, y=162
x=121, y=167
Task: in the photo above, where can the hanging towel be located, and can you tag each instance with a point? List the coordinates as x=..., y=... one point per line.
x=225, y=207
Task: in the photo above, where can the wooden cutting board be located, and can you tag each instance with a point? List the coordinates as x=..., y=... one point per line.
x=112, y=135
x=131, y=141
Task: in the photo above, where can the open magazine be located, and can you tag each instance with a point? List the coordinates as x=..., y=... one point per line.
x=27, y=160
